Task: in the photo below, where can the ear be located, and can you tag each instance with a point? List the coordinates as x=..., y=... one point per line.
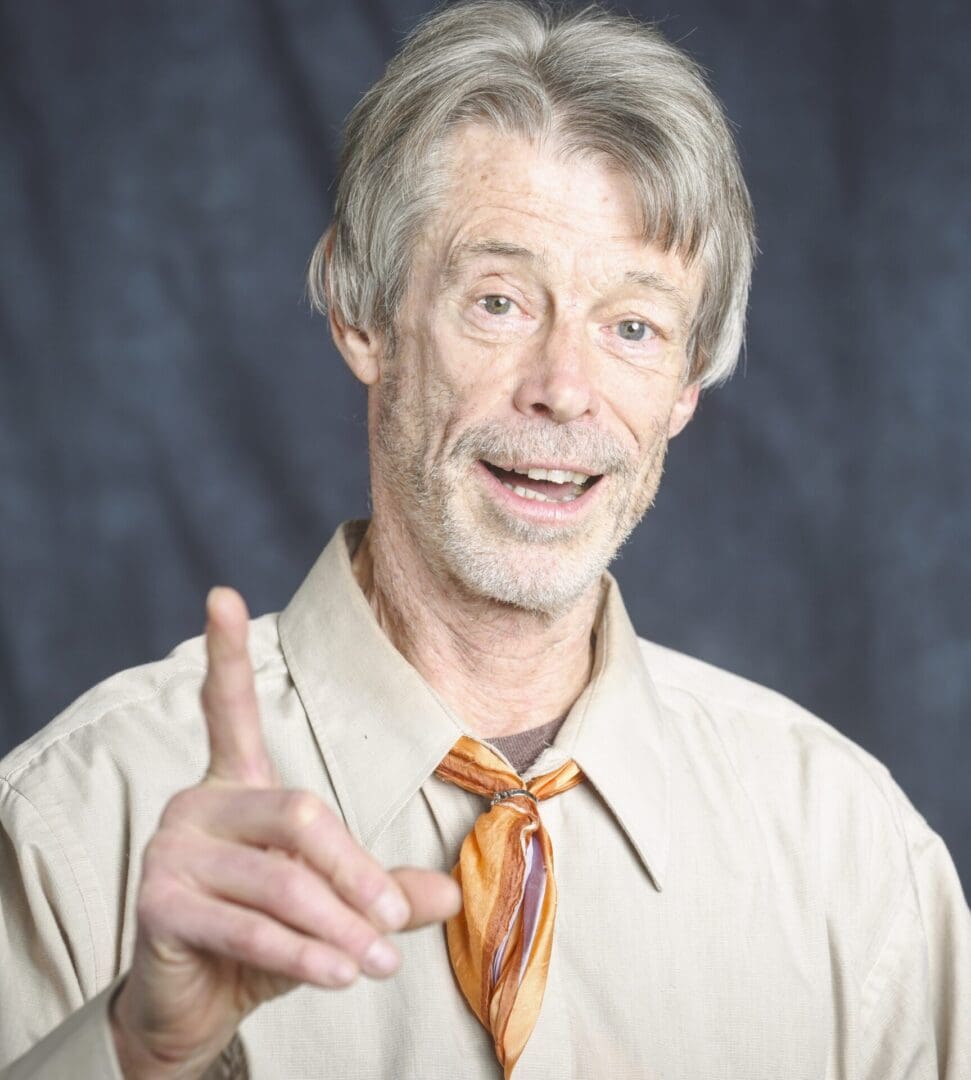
x=361, y=351
x=684, y=408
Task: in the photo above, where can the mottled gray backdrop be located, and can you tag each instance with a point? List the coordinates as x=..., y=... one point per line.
x=172, y=416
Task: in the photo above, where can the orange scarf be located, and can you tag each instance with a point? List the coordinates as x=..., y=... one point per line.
x=500, y=942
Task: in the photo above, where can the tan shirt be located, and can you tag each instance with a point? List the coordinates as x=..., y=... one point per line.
x=743, y=893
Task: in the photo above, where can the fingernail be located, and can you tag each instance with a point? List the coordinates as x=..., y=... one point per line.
x=381, y=958
x=391, y=910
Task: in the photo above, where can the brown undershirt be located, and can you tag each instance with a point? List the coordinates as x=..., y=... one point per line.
x=523, y=748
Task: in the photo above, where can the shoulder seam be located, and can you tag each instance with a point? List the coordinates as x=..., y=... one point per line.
x=731, y=677
x=751, y=707
x=96, y=718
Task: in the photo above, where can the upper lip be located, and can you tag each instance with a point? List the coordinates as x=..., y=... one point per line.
x=518, y=466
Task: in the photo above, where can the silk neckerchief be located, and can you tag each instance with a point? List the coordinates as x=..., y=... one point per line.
x=500, y=942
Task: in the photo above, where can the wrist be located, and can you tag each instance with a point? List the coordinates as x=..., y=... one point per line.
x=137, y=1060
x=133, y=1062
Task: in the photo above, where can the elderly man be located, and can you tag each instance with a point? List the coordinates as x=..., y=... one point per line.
x=540, y=255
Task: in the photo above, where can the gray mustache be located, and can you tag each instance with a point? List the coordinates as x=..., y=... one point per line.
x=595, y=450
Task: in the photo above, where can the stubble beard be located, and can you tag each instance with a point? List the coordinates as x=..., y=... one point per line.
x=490, y=553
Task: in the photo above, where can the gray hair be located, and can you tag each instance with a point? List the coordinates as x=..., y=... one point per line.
x=596, y=81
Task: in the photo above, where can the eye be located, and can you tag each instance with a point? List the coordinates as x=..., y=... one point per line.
x=633, y=330
x=496, y=305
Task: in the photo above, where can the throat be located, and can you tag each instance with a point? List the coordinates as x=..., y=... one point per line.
x=497, y=667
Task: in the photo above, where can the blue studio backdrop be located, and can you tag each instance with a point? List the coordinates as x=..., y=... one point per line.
x=171, y=416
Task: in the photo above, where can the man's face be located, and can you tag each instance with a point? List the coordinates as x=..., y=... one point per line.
x=539, y=335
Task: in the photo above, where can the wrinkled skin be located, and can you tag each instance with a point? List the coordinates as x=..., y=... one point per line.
x=571, y=348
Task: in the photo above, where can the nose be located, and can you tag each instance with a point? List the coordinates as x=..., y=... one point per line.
x=555, y=381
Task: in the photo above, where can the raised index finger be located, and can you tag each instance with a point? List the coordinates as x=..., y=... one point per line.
x=237, y=752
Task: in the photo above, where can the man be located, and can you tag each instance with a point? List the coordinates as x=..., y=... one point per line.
x=541, y=253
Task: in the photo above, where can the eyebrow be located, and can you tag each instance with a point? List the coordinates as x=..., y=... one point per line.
x=464, y=253
x=659, y=283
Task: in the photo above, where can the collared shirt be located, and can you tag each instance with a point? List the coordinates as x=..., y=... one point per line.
x=743, y=892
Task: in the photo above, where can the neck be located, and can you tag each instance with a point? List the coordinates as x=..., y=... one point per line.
x=501, y=669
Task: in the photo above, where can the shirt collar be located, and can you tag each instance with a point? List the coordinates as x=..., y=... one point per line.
x=617, y=733
x=382, y=730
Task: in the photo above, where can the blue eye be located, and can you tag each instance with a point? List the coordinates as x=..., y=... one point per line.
x=496, y=305
x=632, y=330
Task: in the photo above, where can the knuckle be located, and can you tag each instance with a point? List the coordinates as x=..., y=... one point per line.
x=250, y=939
x=301, y=811
x=356, y=937
x=365, y=885
x=216, y=696
x=208, y=692
x=181, y=807
x=333, y=969
x=304, y=962
x=156, y=899
x=158, y=853
x=290, y=887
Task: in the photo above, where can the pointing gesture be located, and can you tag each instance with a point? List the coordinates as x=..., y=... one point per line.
x=237, y=753
x=249, y=889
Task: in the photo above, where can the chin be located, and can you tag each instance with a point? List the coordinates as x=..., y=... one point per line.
x=495, y=556
x=534, y=577
x=544, y=595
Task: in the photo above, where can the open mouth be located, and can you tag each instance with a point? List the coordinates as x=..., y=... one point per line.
x=542, y=484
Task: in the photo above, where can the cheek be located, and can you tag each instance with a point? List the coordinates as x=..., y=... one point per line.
x=639, y=405
x=416, y=381
x=475, y=377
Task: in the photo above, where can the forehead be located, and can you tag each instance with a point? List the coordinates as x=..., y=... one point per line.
x=572, y=213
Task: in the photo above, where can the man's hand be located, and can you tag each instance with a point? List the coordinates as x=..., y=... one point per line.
x=249, y=889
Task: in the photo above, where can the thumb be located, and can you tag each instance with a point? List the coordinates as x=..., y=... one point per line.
x=433, y=896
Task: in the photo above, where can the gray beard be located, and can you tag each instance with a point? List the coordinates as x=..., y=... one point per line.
x=541, y=569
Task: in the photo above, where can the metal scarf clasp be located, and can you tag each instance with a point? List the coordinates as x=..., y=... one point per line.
x=510, y=793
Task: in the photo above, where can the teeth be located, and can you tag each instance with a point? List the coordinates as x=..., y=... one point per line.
x=558, y=476
x=528, y=493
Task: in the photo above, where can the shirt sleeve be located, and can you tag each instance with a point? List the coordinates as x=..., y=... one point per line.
x=53, y=985
x=56, y=984
x=79, y=1046
x=917, y=996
